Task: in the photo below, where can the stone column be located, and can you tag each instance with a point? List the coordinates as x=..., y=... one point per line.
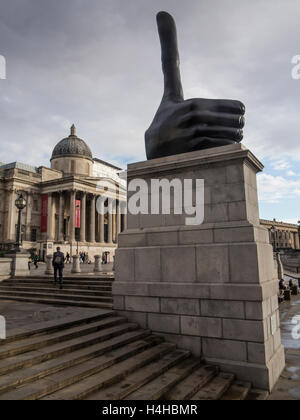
x=61, y=214
x=97, y=266
x=10, y=230
x=118, y=216
x=92, y=219
x=50, y=218
x=83, y=218
x=28, y=216
x=110, y=222
x=72, y=215
x=76, y=264
x=297, y=245
x=209, y=286
x=101, y=222
x=49, y=267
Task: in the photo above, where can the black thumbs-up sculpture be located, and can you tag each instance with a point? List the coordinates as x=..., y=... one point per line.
x=179, y=125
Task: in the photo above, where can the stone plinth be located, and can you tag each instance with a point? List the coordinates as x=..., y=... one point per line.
x=49, y=267
x=210, y=288
x=97, y=266
x=76, y=264
x=19, y=266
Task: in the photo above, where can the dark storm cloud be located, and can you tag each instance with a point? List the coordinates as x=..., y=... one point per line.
x=97, y=63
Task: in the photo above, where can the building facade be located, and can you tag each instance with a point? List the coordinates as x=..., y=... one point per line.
x=62, y=202
x=282, y=235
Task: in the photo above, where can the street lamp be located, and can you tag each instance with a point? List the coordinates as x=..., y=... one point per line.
x=77, y=251
x=20, y=203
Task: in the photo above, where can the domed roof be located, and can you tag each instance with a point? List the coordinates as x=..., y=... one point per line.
x=72, y=146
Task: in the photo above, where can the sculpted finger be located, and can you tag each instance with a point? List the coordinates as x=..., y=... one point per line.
x=226, y=106
x=219, y=132
x=170, y=57
x=211, y=119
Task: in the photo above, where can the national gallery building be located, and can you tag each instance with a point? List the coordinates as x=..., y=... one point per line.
x=61, y=202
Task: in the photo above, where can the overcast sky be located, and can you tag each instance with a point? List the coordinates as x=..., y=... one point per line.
x=96, y=63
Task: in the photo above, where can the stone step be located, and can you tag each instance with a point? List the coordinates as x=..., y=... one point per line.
x=59, y=296
x=72, y=280
x=32, y=358
x=216, y=388
x=257, y=395
x=58, y=302
x=35, y=343
x=192, y=384
x=237, y=392
x=121, y=351
x=160, y=386
x=56, y=290
x=113, y=375
x=51, y=286
x=138, y=379
x=47, y=327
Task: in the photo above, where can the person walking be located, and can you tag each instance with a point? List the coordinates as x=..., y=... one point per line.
x=36, y=260
x=58, y=265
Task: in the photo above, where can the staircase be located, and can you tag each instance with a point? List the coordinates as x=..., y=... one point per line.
x=105, y=357
x=84, y=292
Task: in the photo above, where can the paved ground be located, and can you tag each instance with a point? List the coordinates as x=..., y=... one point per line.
x=288, y=387
x=19, y=315
x=85, y=269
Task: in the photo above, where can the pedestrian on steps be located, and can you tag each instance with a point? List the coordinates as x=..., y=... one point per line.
x=58, y=265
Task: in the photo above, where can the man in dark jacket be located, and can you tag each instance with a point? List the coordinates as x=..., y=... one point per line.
x=58, y=265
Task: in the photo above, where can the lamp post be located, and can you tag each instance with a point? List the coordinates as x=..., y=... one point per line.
x=20, y=203
x=77, y=207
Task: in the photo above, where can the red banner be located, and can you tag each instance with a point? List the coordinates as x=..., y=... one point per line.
x=77, y=214
x=44, y=212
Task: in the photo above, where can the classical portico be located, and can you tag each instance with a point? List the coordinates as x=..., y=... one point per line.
x=62, y=202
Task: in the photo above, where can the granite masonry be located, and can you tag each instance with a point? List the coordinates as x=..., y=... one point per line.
x=210, y=288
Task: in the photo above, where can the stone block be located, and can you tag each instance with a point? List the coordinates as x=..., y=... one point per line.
x=118, y=302
x=201, y=327
x=243, y=263
x=142, y=304
x=129, y=239
x=180, y=306
x=199, y=236
x=243, y=292
x=162, y=238
x=212, y=264
x=147, y=264
x=237, y=211
x=224, y=349
x=185, y=342
x=152, y=220
x=216, y=213
x=227, y=193
x=133, y=221
x=222, y=309
x=244, y=330
x=260, y=352
x=258, y=310
x=140, y=318
x=178, y=264
x=234, y=234
x=124, y=264
x=164, y=323
x=234, y=173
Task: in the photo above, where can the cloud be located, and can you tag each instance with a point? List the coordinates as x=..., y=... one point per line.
x=273, y=189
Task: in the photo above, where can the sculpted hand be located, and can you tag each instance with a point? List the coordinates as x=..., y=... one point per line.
x=181, y=126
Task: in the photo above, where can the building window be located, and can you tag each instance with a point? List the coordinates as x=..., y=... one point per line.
x=33, y=235
x=35, y=205
x=73, y=166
